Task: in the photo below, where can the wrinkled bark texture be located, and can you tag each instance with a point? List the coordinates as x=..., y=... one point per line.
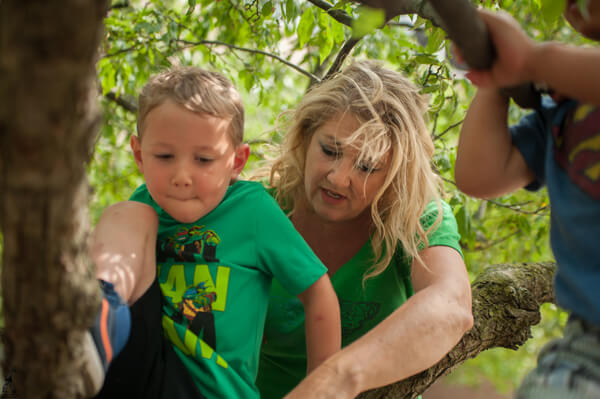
x=506, y=302
x=48, y=123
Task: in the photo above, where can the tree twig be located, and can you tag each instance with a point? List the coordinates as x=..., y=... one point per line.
x=123, y=102
x=254, y=51
x=341, y=56
x=339, y=15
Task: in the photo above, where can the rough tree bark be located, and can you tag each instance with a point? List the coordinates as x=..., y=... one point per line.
x=506, y=302
x=48, y=123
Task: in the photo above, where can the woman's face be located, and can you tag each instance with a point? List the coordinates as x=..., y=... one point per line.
x=338, y=187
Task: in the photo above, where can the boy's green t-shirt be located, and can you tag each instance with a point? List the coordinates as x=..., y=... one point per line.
x=215, y=275
x=283, y=354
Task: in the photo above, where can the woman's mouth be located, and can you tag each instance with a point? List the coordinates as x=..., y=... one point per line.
x=332, y=194
x=331, y=197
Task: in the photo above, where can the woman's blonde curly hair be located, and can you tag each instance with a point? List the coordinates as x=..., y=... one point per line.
x=391, y=112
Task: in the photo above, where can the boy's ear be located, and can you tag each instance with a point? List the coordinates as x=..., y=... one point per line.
x=242, y=152
x=136, y=147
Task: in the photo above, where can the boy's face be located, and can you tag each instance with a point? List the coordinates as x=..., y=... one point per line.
x=187, y=160
x=588, y=27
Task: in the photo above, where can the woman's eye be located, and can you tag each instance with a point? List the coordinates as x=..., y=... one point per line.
x=329, y=151
x=367, y=168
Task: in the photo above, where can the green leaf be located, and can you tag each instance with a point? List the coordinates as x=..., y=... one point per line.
x=247, y=79
x=290, y=10
x=306, y=26
x=107, y=75
x=267, y=9
x=426, y=59
x=463, y=221
x=435, y=40
x=368, y=20
x=325, y=47
x=552, y=10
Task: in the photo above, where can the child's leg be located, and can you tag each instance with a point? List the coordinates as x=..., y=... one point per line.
x=123, y=248
x=568, y=368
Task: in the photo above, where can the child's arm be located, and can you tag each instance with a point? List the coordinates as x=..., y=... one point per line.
x=487, y=163
x=323, y=325
x=569, y=70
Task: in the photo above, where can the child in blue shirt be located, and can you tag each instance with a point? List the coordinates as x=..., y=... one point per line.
x=558, y=145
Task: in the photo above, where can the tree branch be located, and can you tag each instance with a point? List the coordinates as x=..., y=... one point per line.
x=339, y=15
x=130, y=106
x=341, y=56
x=394, y=8
x=254, y=51
x=506, y=301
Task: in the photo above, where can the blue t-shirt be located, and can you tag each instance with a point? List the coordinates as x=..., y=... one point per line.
x=561, y=145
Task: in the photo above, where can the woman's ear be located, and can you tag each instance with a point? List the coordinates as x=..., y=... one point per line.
x=242, y=152
x=136, y=147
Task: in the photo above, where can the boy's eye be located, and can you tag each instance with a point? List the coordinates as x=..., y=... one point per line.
x=163, y=156
x=330, y=152
x=203, y=159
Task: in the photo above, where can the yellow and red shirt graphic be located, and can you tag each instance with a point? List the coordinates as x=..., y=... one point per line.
x=577, y=148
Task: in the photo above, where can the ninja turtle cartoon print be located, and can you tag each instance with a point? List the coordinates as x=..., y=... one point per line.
x=196, y=307
x=187, y=242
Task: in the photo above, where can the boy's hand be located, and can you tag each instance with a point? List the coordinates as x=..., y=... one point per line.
x=513, y=51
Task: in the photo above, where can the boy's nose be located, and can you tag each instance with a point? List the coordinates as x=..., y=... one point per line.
x=181, y=177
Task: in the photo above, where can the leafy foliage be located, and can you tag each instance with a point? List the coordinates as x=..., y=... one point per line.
x=272, y=50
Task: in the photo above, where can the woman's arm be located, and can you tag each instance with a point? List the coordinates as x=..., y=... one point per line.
x=410, y=340
x=323, y=325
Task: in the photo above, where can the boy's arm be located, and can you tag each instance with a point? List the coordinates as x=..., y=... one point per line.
x=487, y=163
x=569, y=70
x=323, y=325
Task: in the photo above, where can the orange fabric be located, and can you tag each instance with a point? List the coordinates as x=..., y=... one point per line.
x=104, y=331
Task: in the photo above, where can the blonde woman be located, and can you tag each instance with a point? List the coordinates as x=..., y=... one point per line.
x=356, y=180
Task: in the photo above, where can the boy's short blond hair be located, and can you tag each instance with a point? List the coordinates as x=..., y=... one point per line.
x=195, y=89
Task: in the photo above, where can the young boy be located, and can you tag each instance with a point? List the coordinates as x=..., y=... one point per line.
x=220, y=242
x=557, y=145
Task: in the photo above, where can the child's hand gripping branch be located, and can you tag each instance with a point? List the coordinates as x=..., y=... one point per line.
x=569, y=70
x=487, y=163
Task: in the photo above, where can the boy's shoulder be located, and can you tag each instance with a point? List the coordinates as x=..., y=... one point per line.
x=245, y=187
x=247, y=193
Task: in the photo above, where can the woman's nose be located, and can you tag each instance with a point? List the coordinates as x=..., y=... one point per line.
x=340, y=173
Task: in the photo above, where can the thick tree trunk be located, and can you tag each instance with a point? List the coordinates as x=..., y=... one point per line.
x=506, y=302
x=48, y=124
